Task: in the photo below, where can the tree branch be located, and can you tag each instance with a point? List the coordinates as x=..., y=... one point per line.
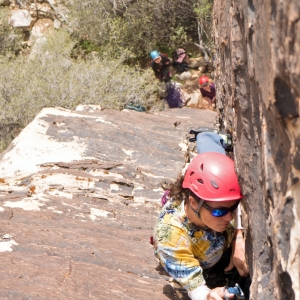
x=206, y=51
x=57, y=12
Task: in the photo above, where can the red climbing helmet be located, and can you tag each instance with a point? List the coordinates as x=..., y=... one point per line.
x=203, y=79
x=211, y=176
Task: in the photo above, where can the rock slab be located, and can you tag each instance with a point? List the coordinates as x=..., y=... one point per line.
x=79, y=195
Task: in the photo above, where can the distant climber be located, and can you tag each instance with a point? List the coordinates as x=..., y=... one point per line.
x=160, y=64
x=180, y=60
x=208, y=90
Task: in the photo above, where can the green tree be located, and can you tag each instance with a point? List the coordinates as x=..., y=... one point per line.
x=204, y=11
x=139, y=26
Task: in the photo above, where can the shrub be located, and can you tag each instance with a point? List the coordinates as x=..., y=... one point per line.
x=139, y=26
x=51, y=78
x=10, y=38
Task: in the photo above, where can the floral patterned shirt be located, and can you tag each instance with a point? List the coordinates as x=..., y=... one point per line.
x=185, y=250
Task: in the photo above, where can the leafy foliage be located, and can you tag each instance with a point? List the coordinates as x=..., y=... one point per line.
x=10, y=38
x=204, y=10
x=51, y=78
x=139, y=26
x=94, y=61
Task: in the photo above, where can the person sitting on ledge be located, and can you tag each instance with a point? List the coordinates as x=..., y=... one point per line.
x=180, y=60
x=160, y=65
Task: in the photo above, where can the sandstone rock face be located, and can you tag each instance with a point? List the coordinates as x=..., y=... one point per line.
x=258, y=89
x=79, y=196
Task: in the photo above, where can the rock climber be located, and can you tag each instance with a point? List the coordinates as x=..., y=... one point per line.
x=160, y=64
x=208, y=90
x=196, y=238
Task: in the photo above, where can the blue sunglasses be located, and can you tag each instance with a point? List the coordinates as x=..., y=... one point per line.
x=222, y=211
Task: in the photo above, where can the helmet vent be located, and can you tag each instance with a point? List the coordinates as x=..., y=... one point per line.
x=201, y=167
x=200, y=181
x=214, y=184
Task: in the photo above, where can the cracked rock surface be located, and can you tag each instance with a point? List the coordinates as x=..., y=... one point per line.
x=257, y=75
x=79, y=196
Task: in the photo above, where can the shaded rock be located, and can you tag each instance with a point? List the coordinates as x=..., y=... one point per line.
x=41, y=11
x=5, y=2
x=200, y=62
x=257, y=78
x=202, y=69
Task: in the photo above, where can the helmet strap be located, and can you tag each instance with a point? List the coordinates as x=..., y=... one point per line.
x=197, y=211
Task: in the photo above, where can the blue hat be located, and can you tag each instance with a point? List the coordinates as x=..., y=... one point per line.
x=154, y=54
